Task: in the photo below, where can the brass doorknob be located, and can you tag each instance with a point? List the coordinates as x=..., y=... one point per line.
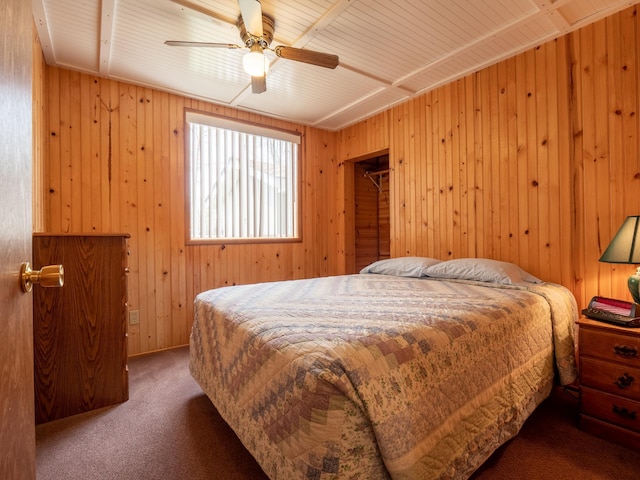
x=49, y=276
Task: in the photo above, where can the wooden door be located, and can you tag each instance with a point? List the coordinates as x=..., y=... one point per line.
x=17, y=425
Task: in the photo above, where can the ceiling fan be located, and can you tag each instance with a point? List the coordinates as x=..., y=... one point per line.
x=256, y=31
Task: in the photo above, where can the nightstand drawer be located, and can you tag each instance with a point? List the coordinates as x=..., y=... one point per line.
x=611, y=408
x=610, y=377
x=612, y=346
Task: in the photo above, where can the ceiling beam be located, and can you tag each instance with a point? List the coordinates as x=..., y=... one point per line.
x=40, y=19
x=107, y=17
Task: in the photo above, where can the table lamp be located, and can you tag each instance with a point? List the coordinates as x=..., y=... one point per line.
x=625, y=248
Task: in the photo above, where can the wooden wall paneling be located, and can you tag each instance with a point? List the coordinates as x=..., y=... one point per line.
x=629, y=45
x=161, y=219
x=310, y=197
x=440, y=145
x=111, y=196
x=444, y=159
x=346, y=219
x=370, y=135
x=326, y=158
x=578, y=185
x=88, y=103
x=419, y=199
x=509, y=146
x=71, y=151
x=467, y=211
x=559, y=201
x=193, y=282
x=90, y=137
x=483, y=125
x=128, y=205
x=532, y=227
x=410, y=161
x=601, y=153
x=615, y=75
x=615, y=145
x=432, y=165
x=432, y=173
x=421, y=218
x=397, y=156
x=317, y=261
x=551, y=247
x=145, y=218
x=592, y=196
x=395, y=152
x=480, y=125
x=541, y=179
x=66, y=181
x=52, y=158
x=492, y=164
x=179, y=295
x=566, y=235
x=39, y=148
x=394, y=119
x=449, y=189
x=522, y=159
x=456, y=184
x=444, y=168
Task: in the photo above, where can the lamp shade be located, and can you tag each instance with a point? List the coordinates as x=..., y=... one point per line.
x=625, y=246
x=255, y=63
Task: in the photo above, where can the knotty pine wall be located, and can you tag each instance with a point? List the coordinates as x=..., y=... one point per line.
x=115, y=163
x=39, y=128
x=533, y=160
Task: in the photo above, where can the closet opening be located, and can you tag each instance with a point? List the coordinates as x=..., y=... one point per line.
x=371, y=211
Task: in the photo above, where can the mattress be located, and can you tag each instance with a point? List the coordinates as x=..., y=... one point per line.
x=380, y=376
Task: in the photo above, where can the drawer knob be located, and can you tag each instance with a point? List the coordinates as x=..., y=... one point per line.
x=624, y=381
x=625, y=351
x=624, y=412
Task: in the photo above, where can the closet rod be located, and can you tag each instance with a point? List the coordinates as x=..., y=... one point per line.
x=380, y=172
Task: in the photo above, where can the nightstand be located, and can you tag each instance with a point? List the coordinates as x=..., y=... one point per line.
x=609, y=381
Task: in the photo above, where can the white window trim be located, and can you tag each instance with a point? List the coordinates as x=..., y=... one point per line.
x=229, y=124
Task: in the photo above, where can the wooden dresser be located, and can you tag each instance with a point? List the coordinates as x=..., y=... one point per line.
x=610, y=381
x=80, y=344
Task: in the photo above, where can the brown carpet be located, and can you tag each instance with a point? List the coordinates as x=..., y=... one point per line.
x=169, y=430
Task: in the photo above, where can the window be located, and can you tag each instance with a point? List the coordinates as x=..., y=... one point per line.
x=243, y=180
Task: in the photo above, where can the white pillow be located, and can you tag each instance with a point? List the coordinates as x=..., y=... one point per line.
x=401, y=266
x=482, y=270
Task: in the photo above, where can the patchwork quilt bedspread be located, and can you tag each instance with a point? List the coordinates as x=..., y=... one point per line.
x=377, y=376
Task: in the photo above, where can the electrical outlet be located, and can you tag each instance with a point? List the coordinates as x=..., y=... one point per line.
x=134, y=317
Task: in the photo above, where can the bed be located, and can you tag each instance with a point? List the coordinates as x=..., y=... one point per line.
x=412, y=369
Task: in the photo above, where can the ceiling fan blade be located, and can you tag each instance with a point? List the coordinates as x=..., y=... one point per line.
x=251, y=11
x=259, y=84
x=177, y=43
x=320, y=59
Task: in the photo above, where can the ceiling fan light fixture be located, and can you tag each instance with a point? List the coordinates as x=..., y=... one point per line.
x=255, y=62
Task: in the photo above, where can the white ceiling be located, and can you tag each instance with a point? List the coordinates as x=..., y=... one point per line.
x=389, y=51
